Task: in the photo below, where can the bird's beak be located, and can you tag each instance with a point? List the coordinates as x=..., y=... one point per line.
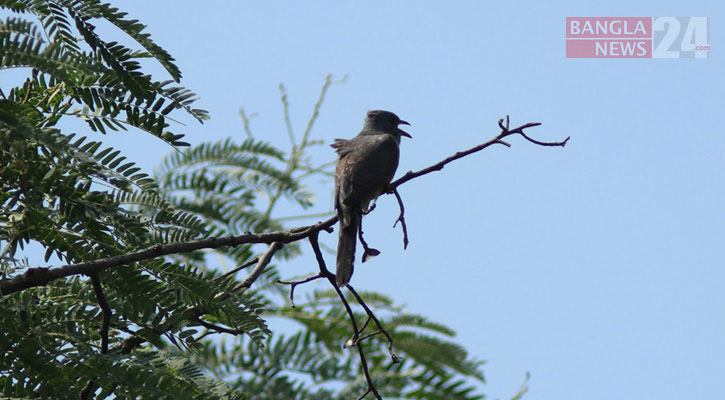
x=402, y=132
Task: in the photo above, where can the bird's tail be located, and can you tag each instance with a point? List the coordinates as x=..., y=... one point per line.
x=346, y=248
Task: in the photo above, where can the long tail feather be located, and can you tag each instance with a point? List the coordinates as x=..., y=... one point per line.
x=346, y=249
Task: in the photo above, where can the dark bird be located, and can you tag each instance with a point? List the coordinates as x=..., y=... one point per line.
x=366, y=165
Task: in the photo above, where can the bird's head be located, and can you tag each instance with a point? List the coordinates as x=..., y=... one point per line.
x=387, y=122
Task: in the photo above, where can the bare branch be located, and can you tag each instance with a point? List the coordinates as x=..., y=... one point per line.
x=314, y=242
x=497, y=140
x=503, y=123
x=401, y=218
x=369, y=335
x=371, y=315
x=534, y=141
x=368, y=252
x=42, y=275
x=105, y=309
x=331, y=278
x=293, y=285
x=241, y=267
x=261, y=264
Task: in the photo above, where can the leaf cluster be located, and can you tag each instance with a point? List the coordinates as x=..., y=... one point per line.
x=311, y=364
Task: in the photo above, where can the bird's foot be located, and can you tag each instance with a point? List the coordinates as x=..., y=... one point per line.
x=370, y=208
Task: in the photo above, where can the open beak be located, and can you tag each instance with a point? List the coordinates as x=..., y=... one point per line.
x=402, y=132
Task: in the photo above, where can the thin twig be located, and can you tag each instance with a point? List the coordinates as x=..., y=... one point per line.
x=331, y=278
x=293, y=285
x=314, y=242
x=534, y=141
x=241, y=267
x=287, y=122
x=218, y=328
x=503, y=123
x=296, y=149
x=371, y=385
x=105, y=309
x=92, y=386
x=497, y=140
x=401, y=218
x=316, y=108
x=368, y=252
x=365, y=325
x=393, y=356
x=326, y=214
x=245, y=122
x=261, y=264
x=369, y=335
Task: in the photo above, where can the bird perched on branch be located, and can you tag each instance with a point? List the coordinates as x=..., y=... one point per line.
x=366, y=165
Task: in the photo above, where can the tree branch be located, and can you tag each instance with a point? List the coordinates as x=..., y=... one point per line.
x=293, y=285
x=261, y=264
x=40, y=276
x=394, y=357
x=497, y=140
x=368, y=252
x=218, y=328
x=92, y=386
x=401, y=218
x=107, y=313
x=239, y=268
x=331, y=278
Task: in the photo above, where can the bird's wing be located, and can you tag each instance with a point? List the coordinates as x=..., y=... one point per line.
x=369, y=167
x=342, y=146
x=345, y=192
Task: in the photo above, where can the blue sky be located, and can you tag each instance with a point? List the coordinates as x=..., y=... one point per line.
x=597, y=267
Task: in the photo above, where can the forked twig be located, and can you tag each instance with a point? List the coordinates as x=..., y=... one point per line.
x=401, y=218
x=293, y=285
x=314, y=242
x=395, y=358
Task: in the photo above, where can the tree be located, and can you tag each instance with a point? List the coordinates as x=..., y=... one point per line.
x=131, y=306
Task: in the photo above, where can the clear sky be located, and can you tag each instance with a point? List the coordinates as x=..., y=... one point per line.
x=598, y=267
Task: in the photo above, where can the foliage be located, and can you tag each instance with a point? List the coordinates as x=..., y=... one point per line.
x=79, y=200
x=432, y=367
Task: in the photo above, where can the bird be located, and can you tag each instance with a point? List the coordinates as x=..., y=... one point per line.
x=365, y=167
